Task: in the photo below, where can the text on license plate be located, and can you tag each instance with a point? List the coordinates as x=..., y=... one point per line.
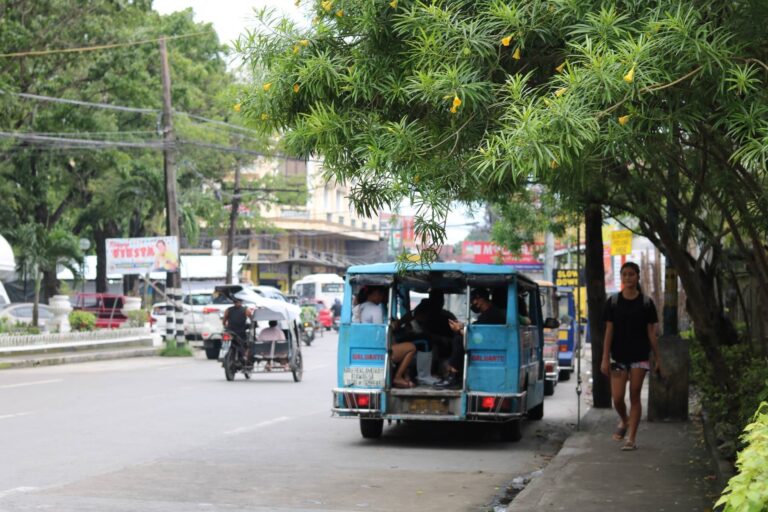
x=364, y=376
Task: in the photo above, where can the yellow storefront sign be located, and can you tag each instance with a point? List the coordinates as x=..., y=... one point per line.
x=621, y=242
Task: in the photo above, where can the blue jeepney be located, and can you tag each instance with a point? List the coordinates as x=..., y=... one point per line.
x=566, y=332
x=503, y=372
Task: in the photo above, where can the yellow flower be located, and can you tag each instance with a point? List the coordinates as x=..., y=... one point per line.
x=393, y=4
x=560, y=68
x=295, y=49
x=416, y=179
x=456, y=102
x=296, y=88
x=304, y=42
x=630, y=76
x=506, y=40
x=340, y=13
x=516, y=55
x=454, y=109
x=264, y=116
x=623, y=120
x=553, y=164
x=327, y=5
x=560, y=91
x=267, y=86
x=236, y=107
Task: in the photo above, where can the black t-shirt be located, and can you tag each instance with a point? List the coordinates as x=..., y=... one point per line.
x=630, y=319
x=492, y=315
x=236, y=319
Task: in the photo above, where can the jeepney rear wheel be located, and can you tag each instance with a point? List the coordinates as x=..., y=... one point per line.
x=371, y=428
x=511, y=431
x=549, y=387
x=537, y=412
x=564, y=375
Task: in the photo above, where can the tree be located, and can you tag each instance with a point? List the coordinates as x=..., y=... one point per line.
x=470, y=100
x=110, y=186
x=38, y=251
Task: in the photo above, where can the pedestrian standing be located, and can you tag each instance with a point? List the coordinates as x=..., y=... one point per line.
x=630, y=336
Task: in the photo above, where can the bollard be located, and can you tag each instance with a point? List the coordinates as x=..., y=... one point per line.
x=668, y=393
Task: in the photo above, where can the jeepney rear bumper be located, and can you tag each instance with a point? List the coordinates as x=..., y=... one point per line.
x=427, y=404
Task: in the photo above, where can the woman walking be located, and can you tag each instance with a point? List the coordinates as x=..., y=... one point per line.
x=630, y=336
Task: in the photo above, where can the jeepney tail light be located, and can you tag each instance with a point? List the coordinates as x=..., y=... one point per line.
x=363, y=401
x=563, y=348
x=549, y=367
x=487, y=402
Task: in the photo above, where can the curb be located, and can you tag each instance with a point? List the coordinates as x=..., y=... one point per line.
x=31, y=362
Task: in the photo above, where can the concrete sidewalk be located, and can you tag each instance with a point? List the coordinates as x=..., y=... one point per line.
x=671, y=470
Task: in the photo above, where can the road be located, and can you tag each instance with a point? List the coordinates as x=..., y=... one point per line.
x=163, y=434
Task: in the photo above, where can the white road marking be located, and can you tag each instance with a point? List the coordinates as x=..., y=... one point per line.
x=6, y=416
x=34, y=383
x=267, y=423
x=15, y=490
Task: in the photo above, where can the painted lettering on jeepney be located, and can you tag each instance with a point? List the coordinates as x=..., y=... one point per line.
x=493, y=358
x=367, y=357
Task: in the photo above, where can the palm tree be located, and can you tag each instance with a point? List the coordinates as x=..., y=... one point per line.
x=41, y=250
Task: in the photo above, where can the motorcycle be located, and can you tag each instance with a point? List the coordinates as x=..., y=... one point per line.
x=235, y=356
x=307, y=333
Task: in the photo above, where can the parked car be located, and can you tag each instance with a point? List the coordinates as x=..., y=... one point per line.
x=157, y=318
x=21, y=313
x=108, y=308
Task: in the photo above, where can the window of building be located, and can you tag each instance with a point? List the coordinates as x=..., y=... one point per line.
x=341, y=219
x=329, y=217
x=339, y=199
x=353, y=223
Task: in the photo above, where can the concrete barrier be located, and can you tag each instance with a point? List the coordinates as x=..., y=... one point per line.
x=20, y=344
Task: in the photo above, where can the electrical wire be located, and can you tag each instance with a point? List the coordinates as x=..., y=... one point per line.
x=83, y=49
x=81, y=103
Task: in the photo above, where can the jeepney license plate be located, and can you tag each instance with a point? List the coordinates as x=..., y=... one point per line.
x=427, y=406
x=364, y=376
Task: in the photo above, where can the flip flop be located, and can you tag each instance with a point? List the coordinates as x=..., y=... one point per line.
x=619, y=434
x=629, y=446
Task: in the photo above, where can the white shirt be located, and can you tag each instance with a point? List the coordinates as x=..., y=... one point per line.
x=272, y=334
x=371, y=313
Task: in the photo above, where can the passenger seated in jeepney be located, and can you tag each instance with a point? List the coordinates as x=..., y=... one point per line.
x=372, y=310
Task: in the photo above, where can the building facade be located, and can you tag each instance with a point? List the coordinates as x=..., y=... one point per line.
x=324, y=236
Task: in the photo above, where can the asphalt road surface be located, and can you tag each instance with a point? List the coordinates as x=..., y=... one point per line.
x=164, y=434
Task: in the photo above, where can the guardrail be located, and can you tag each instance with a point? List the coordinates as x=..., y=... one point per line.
x=15, y=343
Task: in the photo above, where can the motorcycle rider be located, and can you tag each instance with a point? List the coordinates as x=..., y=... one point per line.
x=236, y=320
x=308, y=315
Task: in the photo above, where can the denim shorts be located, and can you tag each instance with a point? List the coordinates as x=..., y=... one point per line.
x=622, y=367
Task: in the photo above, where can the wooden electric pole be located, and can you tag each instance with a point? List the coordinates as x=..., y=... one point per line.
x=172, y=279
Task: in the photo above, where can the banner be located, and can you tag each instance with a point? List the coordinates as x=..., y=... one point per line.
x=621, y=242
x=142, y=255
x=568, y=278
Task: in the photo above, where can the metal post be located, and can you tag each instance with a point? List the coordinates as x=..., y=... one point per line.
x=578, y=330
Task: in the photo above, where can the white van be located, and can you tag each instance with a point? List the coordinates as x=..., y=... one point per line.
x=323, y=287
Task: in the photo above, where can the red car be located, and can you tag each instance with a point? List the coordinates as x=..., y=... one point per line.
x=108, y=308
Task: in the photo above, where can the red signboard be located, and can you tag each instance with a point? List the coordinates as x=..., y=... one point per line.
x=488, y=252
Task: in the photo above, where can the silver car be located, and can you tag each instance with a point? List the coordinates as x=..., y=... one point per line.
x=21, y=313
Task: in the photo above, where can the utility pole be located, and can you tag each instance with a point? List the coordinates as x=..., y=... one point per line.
x=172, y=279
x=235, y=209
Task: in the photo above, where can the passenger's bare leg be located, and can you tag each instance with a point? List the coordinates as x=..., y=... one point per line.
x=402, y=355
x=618, y=390
x=636, y=378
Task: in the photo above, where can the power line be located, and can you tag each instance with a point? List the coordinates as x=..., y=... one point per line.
x=81, y=103
x=82, y=49
x=63, y=141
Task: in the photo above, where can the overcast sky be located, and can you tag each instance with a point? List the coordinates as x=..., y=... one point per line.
x=231, y=18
